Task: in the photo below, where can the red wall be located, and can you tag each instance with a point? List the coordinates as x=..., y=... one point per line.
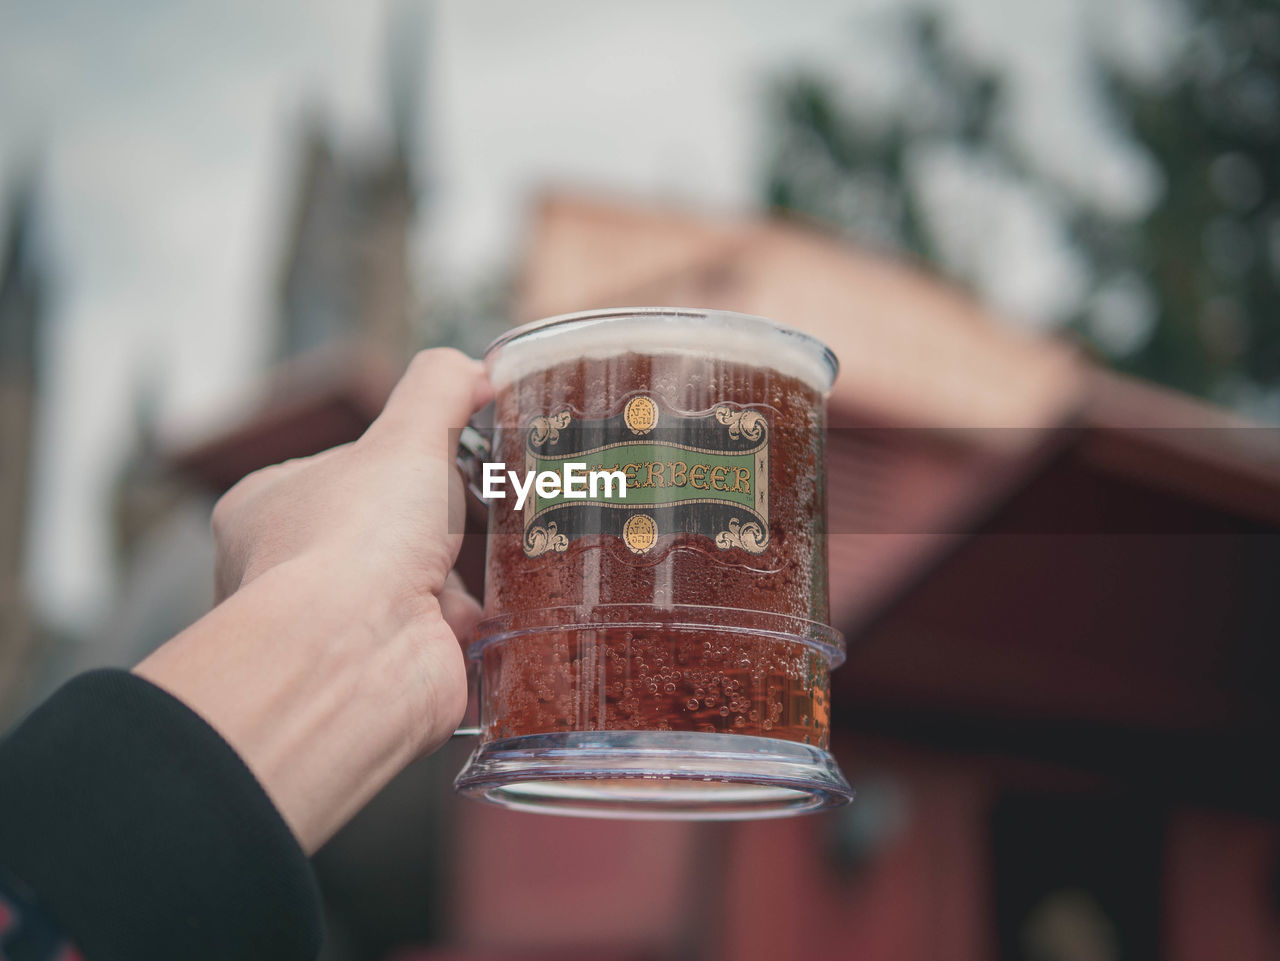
x=1220, y=895
x=528, y=886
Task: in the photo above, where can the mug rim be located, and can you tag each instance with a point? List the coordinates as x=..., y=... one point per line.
x=821, y=352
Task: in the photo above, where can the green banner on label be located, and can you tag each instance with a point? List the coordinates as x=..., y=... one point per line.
x=702, y=474
x=656, y=473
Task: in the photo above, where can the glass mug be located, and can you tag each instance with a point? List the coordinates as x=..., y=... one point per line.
x=666, y=653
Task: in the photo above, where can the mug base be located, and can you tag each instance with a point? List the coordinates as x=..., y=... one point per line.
x=674, y=775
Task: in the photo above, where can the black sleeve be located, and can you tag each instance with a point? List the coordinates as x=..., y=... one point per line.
x=144, y=835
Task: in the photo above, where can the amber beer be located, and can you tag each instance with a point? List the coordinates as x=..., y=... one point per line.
x=651, y=678
x=695, y=605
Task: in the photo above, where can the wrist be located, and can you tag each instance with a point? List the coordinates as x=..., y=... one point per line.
x=326, y=686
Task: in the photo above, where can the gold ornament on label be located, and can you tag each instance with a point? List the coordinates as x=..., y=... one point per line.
x=742, y=423
x=640, y=533
x=540, y=540
x=547, y=429
x=640, y=415
x=749, y=536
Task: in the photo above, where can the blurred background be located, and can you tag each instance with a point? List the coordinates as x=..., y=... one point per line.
x=1043, y=238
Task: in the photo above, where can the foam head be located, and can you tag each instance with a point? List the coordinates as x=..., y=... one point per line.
x=720, y=335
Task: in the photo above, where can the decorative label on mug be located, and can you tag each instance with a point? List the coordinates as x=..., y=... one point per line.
x=705, y=474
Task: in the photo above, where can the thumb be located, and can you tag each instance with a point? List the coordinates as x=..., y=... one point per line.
x=440, y=390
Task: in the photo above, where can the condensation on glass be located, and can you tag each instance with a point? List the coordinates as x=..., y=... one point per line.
x=666, y=654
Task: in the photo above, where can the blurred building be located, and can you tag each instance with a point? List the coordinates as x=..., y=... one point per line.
x=345, y=273
x=24, y=292
x=1057, y=588
x=1060, y=700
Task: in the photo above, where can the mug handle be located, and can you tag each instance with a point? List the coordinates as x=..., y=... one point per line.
x=470, y=726
x=474, y=448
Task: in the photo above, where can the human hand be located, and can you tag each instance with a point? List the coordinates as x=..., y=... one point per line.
x=333, y=657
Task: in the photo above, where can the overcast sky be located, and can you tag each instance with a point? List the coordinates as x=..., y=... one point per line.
x=165, y=130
